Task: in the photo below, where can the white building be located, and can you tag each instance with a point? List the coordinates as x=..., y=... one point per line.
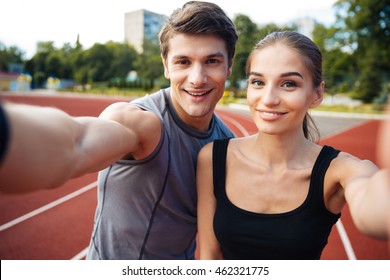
x=140, y=25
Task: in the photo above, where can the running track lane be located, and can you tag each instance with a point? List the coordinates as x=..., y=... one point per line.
x=361, y=142
x=63, y=231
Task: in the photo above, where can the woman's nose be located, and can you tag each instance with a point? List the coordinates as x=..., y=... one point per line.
x=270, y=97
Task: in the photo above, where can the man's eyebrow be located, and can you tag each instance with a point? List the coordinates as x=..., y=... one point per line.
x=182, y=56
x=218, y=54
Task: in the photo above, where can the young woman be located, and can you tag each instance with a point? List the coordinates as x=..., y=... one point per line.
x=277, y=194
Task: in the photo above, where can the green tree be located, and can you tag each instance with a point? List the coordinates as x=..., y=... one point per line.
x=98, y=59
x=69, y=55
x=39, y=78
x=76, y=63
x=9, y=55
x=246, y=29
x=37, y=65
x=45, y=47
x=123, y=60
x=339, y=66
x=365, y=25
x=54, y=64
x=81, y=75
x=148, y=64
x=370, y=83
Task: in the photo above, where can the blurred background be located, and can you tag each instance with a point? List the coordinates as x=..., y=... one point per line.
x=110, y=47
x=60, y=53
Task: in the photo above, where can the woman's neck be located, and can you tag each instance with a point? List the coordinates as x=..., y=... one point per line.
x=286, y=150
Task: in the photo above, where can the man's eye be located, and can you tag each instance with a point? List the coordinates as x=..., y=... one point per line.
x=212, y=61
x=183, y=62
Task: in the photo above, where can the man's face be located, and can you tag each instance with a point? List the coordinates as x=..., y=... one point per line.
x=197, y=67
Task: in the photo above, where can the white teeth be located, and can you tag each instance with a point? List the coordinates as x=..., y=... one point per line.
x=270, y=114
x=197, y=93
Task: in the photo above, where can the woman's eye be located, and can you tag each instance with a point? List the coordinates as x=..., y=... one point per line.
x=289, y=84
x=257, y=83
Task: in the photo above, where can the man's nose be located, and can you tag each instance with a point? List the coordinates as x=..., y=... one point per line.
x=197, y=75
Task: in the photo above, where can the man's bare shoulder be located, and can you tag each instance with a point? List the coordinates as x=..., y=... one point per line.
x=145, y=124
x=126, y=114
x=117, y=109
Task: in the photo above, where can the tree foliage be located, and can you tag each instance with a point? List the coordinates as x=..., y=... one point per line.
x=149, y=64
x=355, y=49
x=9, y=55
x=339, y=66
x=245, y=43
x=100, y=63
x=366, y=25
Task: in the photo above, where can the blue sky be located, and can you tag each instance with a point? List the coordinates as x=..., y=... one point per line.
x=25, y=22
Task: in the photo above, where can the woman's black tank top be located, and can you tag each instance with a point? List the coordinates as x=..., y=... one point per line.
x=298, y=234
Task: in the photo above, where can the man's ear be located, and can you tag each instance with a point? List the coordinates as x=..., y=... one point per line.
x=319, y=95
x=230, y=69
x=166, y=72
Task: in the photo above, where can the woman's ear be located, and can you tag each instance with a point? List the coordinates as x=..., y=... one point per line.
x=319, y=95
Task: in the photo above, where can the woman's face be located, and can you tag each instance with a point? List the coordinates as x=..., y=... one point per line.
x=280, y=90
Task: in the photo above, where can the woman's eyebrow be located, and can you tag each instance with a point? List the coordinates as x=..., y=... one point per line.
x=291, y=74
x=255, y=74
x=287, y=74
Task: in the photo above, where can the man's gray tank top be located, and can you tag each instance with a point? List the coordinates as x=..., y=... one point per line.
x=147, y=208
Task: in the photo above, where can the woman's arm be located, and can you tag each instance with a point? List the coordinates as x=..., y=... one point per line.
x=208, y=244
x=367, y=192
x=383, y=143
x=383, y=152
x=369, y=195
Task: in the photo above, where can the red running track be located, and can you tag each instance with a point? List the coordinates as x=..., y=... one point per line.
x=57, y=224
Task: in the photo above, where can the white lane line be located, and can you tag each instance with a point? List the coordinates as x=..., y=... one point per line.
x=344, y=238
x=81, y=255
x=47, y=206
x=237, y=124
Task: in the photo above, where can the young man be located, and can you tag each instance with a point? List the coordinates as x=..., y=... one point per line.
x=147, y=200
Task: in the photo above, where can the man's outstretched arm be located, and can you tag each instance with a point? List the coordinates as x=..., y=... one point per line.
x=46, y=147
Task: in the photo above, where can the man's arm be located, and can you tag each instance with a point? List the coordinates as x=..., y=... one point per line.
x=47, y=147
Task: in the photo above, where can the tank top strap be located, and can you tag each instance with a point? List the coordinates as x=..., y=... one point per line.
x=219, y=164
x=320, y=167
